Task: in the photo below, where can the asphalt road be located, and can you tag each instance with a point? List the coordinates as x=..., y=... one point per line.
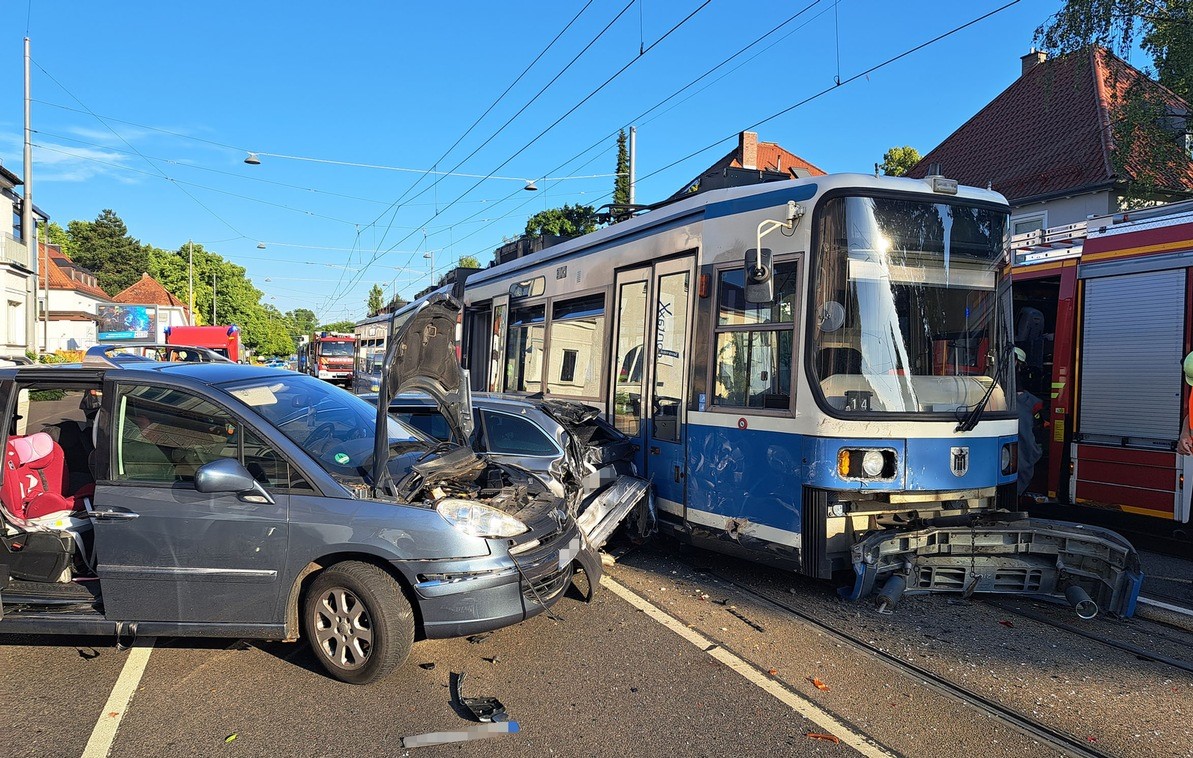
x=704, y=670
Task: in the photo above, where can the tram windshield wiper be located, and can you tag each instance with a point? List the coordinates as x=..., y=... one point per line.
x=971, y=418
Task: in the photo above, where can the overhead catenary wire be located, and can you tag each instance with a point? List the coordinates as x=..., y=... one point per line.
x=571, y=110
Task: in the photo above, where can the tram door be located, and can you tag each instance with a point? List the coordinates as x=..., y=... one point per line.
x=654, y=314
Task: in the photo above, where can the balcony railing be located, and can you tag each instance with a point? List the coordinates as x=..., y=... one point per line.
x=12, y=250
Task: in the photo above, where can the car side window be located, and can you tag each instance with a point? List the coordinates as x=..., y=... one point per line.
x=511, y=435
x=429, y=422
x=164, y=435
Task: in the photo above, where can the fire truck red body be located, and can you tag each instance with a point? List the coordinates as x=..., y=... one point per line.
x=1103, y=316
x=224, y=340
x=332, y=357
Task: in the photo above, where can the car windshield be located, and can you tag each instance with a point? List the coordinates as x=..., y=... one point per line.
x=335, y=348
x=908, y=315
x=334, y=426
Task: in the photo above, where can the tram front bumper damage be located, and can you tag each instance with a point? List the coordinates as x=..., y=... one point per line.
x=1086, y=566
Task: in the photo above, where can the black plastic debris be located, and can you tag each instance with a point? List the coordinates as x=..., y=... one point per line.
x=427, y=666
x=483, y=709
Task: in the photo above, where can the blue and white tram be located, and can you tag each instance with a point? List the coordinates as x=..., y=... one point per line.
x=843, y=403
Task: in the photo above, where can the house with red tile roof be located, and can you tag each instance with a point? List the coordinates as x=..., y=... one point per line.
x=71, y=302
x=1047, y=142
x=148, y=291
x=750, y=162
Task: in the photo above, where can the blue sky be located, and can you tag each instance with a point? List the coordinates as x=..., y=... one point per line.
x=148, y=108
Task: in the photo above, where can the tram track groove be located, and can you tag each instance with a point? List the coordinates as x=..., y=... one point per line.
x=1046, y=735
x=1144, y=653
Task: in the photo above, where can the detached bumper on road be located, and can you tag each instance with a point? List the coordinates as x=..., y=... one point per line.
x=1078, y=563
x=458, y=598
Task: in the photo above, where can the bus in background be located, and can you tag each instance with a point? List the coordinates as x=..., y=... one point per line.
x=331, y=356
x=841, y=404
x=224, y=340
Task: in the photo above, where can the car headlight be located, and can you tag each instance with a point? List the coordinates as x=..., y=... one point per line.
x=477, y=519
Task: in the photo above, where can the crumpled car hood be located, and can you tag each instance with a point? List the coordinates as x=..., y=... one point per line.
x=422, y=357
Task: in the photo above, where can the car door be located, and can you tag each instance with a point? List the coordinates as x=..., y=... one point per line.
x=166, y=552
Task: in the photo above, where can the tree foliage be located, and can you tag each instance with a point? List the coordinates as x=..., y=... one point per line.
x=568, y=221
x=338, y=326
x=105, y=247
x=1144, y=127
x=376, y=300
x=52, y=234
x=621, y=182
x=898, y=160
x=469, y=261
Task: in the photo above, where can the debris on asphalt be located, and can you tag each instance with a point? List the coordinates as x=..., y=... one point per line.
x=484, y=709
x=742, y=617
x=773, y=672
x=491, y=658
x=826, y=737
x=427, y=666
x=1007, y=624
x=488, y=711
x=818, y=684
x=231, y=737
x=476, y=639
x=474, y=732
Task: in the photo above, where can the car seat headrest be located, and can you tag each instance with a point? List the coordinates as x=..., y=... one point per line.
x=33, y=447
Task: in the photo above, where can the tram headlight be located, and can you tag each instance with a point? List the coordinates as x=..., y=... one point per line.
x=853, y=463
x=1008, y=458
x=872, y=463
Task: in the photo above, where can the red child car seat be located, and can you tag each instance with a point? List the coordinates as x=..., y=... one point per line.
x=35, y=478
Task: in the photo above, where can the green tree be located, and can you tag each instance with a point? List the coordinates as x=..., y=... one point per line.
x=105, y=247
x=568, y=221
x=338, y=326
x=302, y=320
x=1145, y=129
x=469, y=261
x=621, y=182
x=376, y=299
x=898, y=160
x=53, y=234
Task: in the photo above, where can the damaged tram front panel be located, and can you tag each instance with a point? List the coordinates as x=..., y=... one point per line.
x=837, y=398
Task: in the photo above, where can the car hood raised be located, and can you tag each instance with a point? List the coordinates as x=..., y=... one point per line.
x=422, y=356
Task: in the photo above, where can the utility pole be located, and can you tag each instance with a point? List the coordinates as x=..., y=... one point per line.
x=190, y=268
x=213, y=321
x=28, y=231
x=633, y=159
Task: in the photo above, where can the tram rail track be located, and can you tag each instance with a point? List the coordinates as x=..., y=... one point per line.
x=1064, y=743
x=1127, y=647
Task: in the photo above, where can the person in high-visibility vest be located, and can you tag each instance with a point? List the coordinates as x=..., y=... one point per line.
x=1184, y=445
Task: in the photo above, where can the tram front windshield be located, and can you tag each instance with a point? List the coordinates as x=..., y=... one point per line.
x=908, y=316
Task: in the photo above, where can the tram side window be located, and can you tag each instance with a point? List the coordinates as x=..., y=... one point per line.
x=524, y=349
x=754, y=342
x=577, y=343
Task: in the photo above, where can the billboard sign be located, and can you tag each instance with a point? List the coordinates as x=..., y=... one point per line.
x=127, y=323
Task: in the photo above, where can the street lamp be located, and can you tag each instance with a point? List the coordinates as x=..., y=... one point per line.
x=430, y=256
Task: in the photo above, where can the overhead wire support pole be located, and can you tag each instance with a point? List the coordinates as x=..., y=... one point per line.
x=28, y=234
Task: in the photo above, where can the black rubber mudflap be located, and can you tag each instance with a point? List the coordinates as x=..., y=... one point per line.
x=813, y=555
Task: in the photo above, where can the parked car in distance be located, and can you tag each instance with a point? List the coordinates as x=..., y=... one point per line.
x=567, y=445
x=225, y=500
x=159, y=353
x=276, y=363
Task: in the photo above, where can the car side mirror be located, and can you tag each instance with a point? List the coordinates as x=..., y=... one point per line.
x=227, y=476
x=760, y=279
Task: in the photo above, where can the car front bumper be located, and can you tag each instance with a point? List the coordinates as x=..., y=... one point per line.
x=462, y=597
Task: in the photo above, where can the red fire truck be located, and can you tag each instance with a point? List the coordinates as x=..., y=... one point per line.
x=331, y=357
x=1102, y=312
x=224, y=340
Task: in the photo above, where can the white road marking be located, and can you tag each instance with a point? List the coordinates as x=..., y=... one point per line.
x=809, y=710
x=104, y=732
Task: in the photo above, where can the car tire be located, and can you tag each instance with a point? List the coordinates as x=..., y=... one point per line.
x=358, y=622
